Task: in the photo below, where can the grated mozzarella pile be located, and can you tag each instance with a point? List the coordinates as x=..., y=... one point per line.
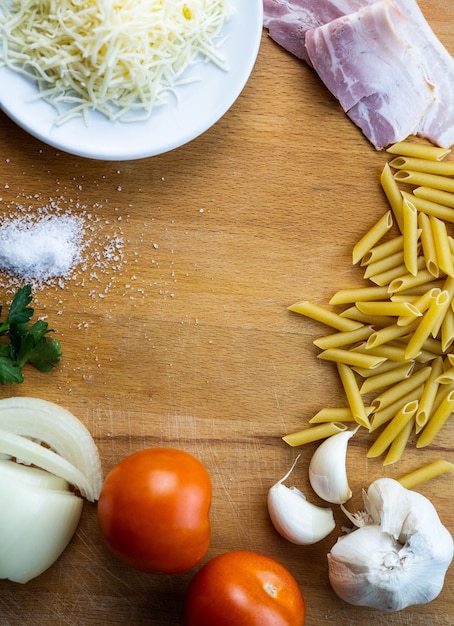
x=113, y=56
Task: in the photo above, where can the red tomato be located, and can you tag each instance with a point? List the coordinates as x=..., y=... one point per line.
x=243, y=588
x=154, y=510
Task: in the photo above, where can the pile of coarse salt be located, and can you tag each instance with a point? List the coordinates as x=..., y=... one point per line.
x=48, y=245
x=41, y=249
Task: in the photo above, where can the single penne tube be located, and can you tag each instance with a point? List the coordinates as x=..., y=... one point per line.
x=386, y=277
x=340, y=339
x=418, y=150
x=390, y=333
x=425, y=473
x=393, y=428
x=320, y=314
x=399, y=443
x=436, y=421
x=447, y=330
x=449, y=288
x=428, y=245
x=385, y=264
x=427, y=323
x=384, y=250
x=348, y=357
x=387, y=307
x=402, y=388
x=393, y=352
x=386, y=366
x=446, y=377
x=385, y=379
x=442, y=247
x=445, y=198
x=403, y=283
x=428, y=395
x=443, y=168
x=335, y=414
x=353, y=395
x=371, y=320
x=443, y=392
x=419, y=290
x=314, y=433
x=427, y=180
x=359, y=294
x=393, y=195
x=410, y=216
x=422, y=303
x=378, y=418
x=372, y=237
x=423, y=205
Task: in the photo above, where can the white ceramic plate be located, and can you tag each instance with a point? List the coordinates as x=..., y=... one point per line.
x=200, y=104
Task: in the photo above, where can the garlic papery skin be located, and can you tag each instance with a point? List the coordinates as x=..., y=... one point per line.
x=38, y=518
x=399, y=555
x=327, y=469
x=296, y=519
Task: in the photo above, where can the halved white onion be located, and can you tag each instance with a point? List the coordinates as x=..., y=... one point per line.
x=36, y=523
x=59, y=429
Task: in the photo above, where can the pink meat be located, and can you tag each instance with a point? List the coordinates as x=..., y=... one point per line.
x=288, y=20
x=368, y=60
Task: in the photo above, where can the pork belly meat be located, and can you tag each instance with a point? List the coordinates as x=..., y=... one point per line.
x=367, y=60
x=288, y=21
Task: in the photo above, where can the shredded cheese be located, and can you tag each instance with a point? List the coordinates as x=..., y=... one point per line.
x=113, y=56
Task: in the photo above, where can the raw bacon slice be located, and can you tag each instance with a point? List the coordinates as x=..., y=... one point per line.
x=288, y=21
x=369, y=63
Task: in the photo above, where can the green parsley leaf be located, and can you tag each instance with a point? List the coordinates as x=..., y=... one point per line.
x=25, y=345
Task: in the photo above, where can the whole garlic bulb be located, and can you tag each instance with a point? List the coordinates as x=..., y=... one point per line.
x=399, y=554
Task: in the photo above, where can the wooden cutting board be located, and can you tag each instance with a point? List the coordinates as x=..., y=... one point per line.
x=185, y=339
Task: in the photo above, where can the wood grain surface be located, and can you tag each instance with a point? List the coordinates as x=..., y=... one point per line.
x=185, y=339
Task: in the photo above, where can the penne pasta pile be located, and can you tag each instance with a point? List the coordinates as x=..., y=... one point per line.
x=392, y=341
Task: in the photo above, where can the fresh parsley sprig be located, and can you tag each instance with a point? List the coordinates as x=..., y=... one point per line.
x=25, y=344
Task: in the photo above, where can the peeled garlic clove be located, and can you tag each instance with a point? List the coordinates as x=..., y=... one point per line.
x=327, y=469
x=398, y=560
x=296, y=519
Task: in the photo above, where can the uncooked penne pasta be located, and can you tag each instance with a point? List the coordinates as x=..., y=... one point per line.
x=348, y=357
x=320, y=314
x=386, y=366
x=353, y=395
x=418, y=150
x=372, y=237
x=385, y=379
x=359, y=294
x=428, y=396
x=387, y=307
x=443, y=183
x=447, y=330
x=378, y=418
x=392, y=193
x=426, y=325
x=442, y=247
x=410, y=216
x=436, y=421
x=399, y=443
x=419, y=290
x=443, y=168
x=426, y=472
x=371, y=320
x=340, y=339
x=384, y=250
x=422, y=303
x=387, y=277
x=428, y=245
x=446, y=377
x=430, y=207
x=402, y=388
x=391, y=431
x=404, y=283
x=390, y=333
x=385, y=264
x=335, y=414
x=314, y=433
x=449, y=288
x=445, y=198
